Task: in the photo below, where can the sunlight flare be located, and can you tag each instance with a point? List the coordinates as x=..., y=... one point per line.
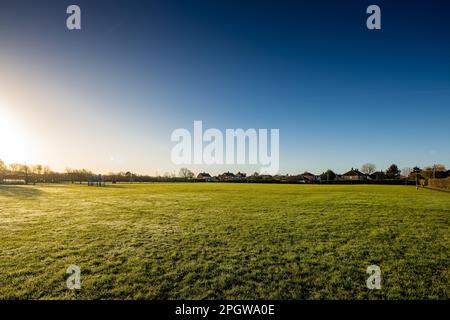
x=13, y=147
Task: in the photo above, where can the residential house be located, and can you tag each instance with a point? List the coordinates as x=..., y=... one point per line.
x=378, y=175
x=204, y=177
x=354, y=174
x=227, y=176
x=295, y=179
x=240, y=176
x=309, y=177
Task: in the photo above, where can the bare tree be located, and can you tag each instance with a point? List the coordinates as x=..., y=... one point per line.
x=84, y=175
x=25, y=170
x=15, y=167
x=46, y=173
x=71, y=173
x=438, y=168
x=2, y=170
x=430, y=172
x=129, y=174
x=186, y=173
x=406, y=171
x=368, y=168
x=37, y=169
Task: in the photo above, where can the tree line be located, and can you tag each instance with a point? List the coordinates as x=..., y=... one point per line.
x=31, y=174
x=436, y=171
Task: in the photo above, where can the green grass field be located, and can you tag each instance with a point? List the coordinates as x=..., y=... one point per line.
x=211, y=241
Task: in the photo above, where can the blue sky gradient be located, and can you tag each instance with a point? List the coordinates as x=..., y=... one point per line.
x=340, y=94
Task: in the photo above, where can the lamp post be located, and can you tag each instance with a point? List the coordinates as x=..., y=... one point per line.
x=416, y=170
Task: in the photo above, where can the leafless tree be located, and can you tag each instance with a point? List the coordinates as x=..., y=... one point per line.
x=430, y=172
x=15, y=167
x=129, y=174
x=46, y=173
x=186, y=173
x=37, y=169
x=71, y=173
x=2, y=170
x=406, y=171
x=25, y=169
x=368, y=168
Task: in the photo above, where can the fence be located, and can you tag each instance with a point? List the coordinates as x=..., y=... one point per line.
x=439, y=183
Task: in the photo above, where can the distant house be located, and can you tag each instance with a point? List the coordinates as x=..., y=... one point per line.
x=13, y=181
x=354, y=174
x=266, y=177
x=295, y=179
x=260, y=178
x=227, y=176
x=378, y=175
x=204, y=177
x=281, y=178
x=441, y=174
x=308, y=177
x=241, y=176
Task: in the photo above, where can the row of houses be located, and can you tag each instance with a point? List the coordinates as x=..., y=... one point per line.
x=305, y=177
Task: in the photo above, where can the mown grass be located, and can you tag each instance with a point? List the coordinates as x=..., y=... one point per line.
x=210, y=241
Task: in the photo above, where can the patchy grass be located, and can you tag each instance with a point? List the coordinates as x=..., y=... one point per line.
x=210, y=241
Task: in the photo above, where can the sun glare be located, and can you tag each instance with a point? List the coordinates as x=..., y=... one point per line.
x=12, y=142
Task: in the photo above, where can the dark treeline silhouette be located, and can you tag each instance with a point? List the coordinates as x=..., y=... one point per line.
x=16, y=173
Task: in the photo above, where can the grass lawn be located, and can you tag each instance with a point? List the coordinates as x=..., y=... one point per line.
x=210, y=241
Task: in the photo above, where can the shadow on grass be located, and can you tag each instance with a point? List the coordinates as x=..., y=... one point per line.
x=19, y=192
x=438, y=189
x=108, y=186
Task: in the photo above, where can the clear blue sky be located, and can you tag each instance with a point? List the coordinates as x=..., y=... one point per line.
x=108, y=97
